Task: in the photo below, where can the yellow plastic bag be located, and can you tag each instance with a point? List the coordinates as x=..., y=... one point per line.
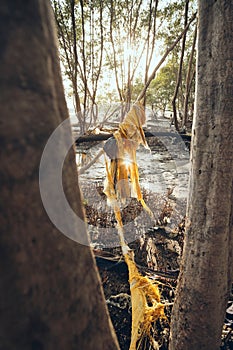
x=122, y=181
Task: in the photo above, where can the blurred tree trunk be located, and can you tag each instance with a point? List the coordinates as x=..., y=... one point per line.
x=51, y=297
x=207, y=267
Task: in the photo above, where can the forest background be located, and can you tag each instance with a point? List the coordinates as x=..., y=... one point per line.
x=109, y=49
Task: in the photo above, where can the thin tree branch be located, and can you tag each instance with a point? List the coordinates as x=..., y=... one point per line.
x=189, y=79
x=85, y=167
x=152, y=76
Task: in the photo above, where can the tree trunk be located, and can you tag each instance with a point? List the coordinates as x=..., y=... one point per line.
x=179, y=74
x=189, y=78
x=51, y=297
x=206, y=274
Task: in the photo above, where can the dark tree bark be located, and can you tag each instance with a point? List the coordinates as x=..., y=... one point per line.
x=51, y=297
x=207, y=266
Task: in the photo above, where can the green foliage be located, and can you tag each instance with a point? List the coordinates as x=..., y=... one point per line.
x=162, y=88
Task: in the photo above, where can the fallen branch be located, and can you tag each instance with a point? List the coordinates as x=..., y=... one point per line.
x=106, y=136
x=93, y=138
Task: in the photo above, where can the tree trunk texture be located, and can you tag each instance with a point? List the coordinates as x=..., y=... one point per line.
x=206, y=275
x=51, y=297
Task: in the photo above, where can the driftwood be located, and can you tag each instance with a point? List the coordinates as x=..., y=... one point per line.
x=106, y=136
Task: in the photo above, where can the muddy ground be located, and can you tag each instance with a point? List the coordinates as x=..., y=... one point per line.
x=157, y=247
x=157, y=244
